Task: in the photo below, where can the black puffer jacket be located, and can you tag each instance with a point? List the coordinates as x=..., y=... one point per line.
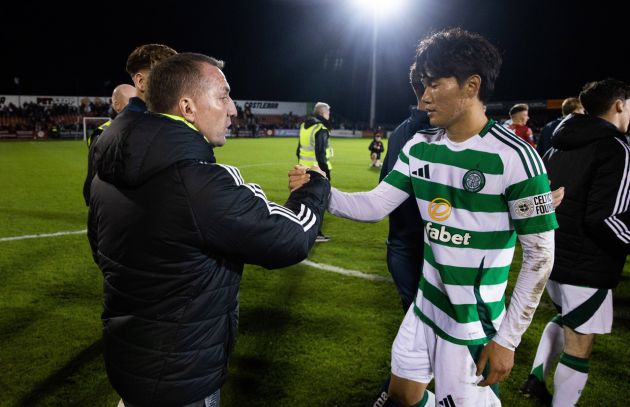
x=170, y=229
x=590, y=158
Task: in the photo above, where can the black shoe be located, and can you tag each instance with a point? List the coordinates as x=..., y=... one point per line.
x=537, y=389
x=321, y=238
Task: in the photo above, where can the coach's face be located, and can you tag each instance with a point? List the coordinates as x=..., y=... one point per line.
x=625, y=121
x=214, y=106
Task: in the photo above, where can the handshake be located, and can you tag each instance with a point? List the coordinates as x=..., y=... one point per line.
x=299, y=175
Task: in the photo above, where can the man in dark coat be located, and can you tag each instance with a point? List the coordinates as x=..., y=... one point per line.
x=591, y=159
x=139, y=64
x=170, y=230
x=405, y=241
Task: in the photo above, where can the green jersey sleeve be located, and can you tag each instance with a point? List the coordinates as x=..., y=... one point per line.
x=531, y=209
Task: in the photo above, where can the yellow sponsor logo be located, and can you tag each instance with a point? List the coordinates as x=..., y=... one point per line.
x=439, y=209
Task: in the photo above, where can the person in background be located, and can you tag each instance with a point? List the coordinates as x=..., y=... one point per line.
x=120, y=99
x=139, y=64
x=519, y=116
x=569, y=105
x=591, y=158
x=405, y=240
x=376, y=149
x=171, y=229
x=314, y=148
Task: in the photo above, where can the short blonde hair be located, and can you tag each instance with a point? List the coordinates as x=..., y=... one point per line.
x=519, y=107
x=570, y=105
x=319, y=106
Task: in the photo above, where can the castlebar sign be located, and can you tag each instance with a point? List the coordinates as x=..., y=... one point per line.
x=266, y=107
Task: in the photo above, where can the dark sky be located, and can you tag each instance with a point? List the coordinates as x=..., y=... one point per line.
x=308, y=50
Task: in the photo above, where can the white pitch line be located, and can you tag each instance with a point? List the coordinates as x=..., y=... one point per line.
x=259, y=165
x=345, y=272
x=65, y=233
x=321, y=266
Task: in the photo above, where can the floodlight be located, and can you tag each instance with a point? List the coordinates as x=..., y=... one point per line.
x=380, y=7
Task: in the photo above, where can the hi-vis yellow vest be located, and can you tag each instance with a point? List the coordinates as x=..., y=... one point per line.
x=307, y=146
x=101, y=129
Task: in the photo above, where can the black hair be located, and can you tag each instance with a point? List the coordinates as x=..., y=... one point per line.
x=458, y=53
x=597, y=97
x=145, y=56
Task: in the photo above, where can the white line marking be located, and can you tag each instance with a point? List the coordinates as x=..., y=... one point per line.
x=321, y=266
x=345, y=272
x=65, y=233
x=261, y=165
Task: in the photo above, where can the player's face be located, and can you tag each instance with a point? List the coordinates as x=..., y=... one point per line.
x=444, y=101
x=521, y=117
x=214, y=106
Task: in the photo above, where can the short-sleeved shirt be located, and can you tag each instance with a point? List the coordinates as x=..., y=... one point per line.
x=474, y=197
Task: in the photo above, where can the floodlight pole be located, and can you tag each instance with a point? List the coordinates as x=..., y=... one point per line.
x=374, y=41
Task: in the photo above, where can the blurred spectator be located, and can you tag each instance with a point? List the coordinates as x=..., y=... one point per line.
x=519, y=114
x=569, y=105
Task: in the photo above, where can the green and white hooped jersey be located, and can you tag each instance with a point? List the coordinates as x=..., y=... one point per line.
x=473, y=197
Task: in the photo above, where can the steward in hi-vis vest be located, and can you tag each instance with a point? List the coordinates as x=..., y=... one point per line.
x=313, y=147
x=94, y=134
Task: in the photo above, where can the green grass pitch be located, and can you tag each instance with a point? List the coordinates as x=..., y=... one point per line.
x=308, y=337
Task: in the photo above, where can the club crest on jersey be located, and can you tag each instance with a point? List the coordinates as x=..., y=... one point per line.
x=474, y=181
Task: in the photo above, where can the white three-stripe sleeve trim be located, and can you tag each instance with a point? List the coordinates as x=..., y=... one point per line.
x=623, y=195
x=622, y=201
x=512, y=140
x=619, y=228
x=229, y=169
x=306, y=218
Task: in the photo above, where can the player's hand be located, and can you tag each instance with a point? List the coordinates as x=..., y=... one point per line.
x=501, y=362
x=556, y=197
x=298, y=176
x=318, y=170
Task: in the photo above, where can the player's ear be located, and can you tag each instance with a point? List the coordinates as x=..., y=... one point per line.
x=472, y=85
x=187, y=109
x=140, y=81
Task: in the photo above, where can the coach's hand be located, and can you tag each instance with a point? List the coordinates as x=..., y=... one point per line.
x=298, y=176
x=501, y=362
x=556, y=197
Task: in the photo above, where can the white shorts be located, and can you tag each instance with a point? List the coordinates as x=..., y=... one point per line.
x=418, y=354
x=585, y=310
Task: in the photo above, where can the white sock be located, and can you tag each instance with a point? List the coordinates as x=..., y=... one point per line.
x=550, y=346
x=569, y=380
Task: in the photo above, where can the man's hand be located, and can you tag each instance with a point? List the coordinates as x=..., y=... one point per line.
x=299, y=176
x=556, y=197
x=501, y=362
